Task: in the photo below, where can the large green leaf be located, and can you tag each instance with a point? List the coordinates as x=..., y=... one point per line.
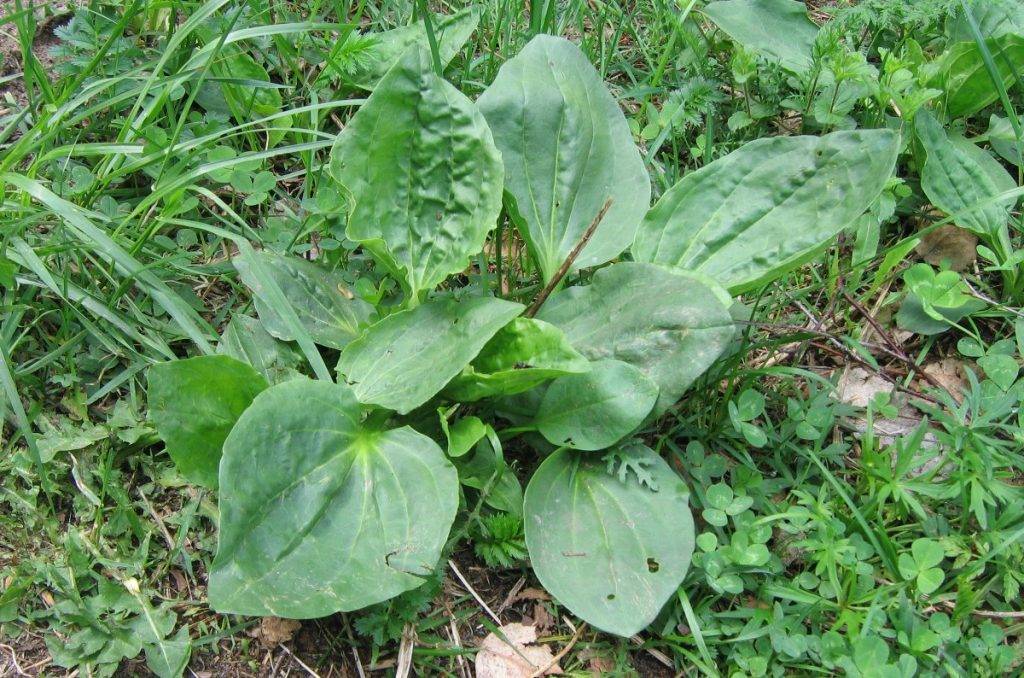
x=194, y=403
x=331, y=313
x=423, y=174
x=962, y=74
x=778, y=29
x=403, y=360
x=365, y=59
x=247, y=340
x=610, y=538
x=567, y=148
x=523, y=354
x=993, y=17
x=955, y=179
x=597, y=409
x=763, y=209
x=670, y=324
x=319, y=514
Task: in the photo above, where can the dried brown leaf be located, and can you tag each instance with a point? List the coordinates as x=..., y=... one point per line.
x=273, y=631
x=949, y=243
x=499, y=659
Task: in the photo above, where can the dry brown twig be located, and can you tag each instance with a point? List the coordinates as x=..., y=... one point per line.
x=567, y=264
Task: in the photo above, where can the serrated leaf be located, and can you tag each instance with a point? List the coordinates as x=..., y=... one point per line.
x=194, y=403
x=321, y=300
x=523, y=354
x=778, y=29
x=567, y=149
x=670, y=324
x=405, y=359
x=423, y=174
x=319, y=514
x=768, y=206
x=597, y=409
x=384, y=49
x=611, y=552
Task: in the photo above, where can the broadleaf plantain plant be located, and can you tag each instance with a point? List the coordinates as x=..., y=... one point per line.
x=338, y=495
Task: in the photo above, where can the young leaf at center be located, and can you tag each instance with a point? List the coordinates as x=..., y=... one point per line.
x=523, y=354
x=402, y=361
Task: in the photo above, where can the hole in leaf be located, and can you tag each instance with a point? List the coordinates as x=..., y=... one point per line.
x=652, y=565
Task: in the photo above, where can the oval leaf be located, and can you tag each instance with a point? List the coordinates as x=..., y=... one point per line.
x=194, y=403
x=325, y=307
x=778, y=29
x=405, y=359
x=567, y=148
x=523, y=354
x=670, y=324
x=760, y=211
x=955, y=181
x=320, y=515
x=610, y=538
x=595, y=410
x=423, y=173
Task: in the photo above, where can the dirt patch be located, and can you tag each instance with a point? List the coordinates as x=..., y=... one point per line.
x=47, y=18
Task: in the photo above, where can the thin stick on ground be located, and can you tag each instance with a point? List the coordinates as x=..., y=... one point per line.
x=567, y=264
x=561, y=653
x=472, y=592
x=897, y=350
x=300, y=662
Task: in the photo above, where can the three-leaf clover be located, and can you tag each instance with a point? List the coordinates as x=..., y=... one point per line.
x=941, y=290
x=921, y=564
x=721, y=503
x=742, y=411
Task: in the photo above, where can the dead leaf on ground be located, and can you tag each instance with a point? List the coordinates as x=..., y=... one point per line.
x=273, y=631
x=542, y=619
x=857, y=386
x=530, y=593
x=498, y=659
x=949, y=243
x=949, y=373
